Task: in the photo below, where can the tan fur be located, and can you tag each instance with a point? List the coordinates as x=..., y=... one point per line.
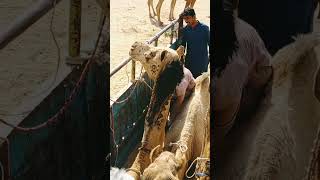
x=274, y=154
x=189, y=3
x=153, y=136
x=203, y=165
x=149, y=57
x=175, y=165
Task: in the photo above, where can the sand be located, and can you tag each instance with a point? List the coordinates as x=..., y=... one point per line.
x=29, y=62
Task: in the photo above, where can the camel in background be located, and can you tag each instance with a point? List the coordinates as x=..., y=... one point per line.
x=189, y=3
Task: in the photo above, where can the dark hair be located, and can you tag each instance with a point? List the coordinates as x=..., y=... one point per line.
x=224, y=38
x=188, y=12
x=163, y=88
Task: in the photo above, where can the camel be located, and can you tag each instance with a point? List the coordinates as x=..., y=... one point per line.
x=189, y=3
x=169, y=165
x=276, y=142
x=160, y=64
x=203, y=163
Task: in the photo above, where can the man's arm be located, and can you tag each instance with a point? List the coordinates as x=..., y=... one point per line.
x=179, y=42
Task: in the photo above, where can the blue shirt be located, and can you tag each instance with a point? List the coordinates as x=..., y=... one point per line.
x=196, y=40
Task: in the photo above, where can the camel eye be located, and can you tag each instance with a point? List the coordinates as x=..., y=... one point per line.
x=152, y=54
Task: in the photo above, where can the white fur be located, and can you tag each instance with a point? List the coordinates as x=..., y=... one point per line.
x=119, y=174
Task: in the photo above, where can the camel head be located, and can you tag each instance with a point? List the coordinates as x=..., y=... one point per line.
x=164, y=167
x=153, y=59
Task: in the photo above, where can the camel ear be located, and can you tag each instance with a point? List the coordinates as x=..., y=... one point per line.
x=163, y=54
x=180, y=51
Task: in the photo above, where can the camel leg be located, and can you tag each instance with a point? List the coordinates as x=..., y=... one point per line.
x=187, y=3
x=149, y=4
x=192, y=3
x=173, y=4
x=158, y=8
x=154, y=12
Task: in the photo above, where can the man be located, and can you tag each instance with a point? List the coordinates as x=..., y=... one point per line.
x=278, y=21
x=196, y=37
x=183, y=90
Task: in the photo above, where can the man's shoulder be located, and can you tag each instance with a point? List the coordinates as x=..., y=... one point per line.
x=204, y=26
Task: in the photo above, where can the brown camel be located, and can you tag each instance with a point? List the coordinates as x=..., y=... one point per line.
x=160, y=64
x=189, y=3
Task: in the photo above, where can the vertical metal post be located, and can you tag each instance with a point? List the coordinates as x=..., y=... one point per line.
x=133, y=71
x=171, y=35
x=74, y=28
x=180, y=27
x=156, y=42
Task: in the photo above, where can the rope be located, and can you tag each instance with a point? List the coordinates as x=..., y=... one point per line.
x=108, y=156
x=54, y=118
x=135, y=85
x=57, y=68
x=152, y=151
x=113, y=136
x=197, y=159
x=201, y=174
x=183, y=147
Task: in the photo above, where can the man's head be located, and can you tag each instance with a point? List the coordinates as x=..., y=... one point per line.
x=189, y=16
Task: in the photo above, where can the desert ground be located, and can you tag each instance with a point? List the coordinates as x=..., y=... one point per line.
x=29, y=62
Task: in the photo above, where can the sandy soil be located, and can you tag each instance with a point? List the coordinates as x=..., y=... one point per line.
x=29, y=62
x=130, y=22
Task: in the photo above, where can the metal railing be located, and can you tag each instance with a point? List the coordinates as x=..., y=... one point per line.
x=154, y=39
x=27, y=19
x=23, y=22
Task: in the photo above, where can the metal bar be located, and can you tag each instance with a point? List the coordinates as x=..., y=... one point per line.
x=116, y=69
x=74, y=28
x=156, y=42
x=133, y=71
x=24, y=21
x=180, y=27
x=162, y=31
x=171, y=35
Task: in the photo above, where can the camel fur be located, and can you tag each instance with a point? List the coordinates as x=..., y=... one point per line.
x=276, y=142
x=174, y=165
x=160, y=64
